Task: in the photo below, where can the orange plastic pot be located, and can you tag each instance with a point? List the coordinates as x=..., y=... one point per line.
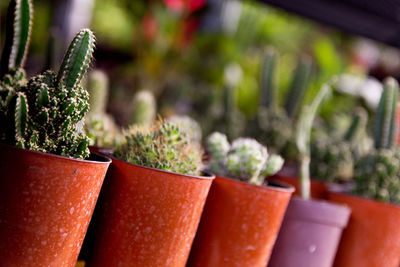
x=239, y=224
x=289, y=175
x=46, y=202
x=147, y=217
x=372, y=237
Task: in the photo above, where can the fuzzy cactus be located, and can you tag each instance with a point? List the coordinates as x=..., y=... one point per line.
x=47, y=113
x=162, y=146
x=100, y=126
x=245, y=159
x=377, y=173
x=303, y=137
x=144, y=108
x=191, y=127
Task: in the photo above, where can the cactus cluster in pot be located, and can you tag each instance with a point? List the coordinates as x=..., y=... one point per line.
x=45, y=113
x=162, y=145
x=245, y=159
x=273, y=125
x=333, y=157
x=377, y=174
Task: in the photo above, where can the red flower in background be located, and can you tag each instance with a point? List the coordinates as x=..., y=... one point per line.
x=183, y=5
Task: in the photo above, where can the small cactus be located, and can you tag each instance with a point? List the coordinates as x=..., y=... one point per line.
x=97, y=86
x=303, y=137
x=377, y=173
x=144, y=108
x=162, y=146
x=47, y=113
x=188, y=125
x=245, y=159
x=18, y=35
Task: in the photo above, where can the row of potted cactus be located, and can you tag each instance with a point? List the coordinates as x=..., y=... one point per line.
x=159, y=205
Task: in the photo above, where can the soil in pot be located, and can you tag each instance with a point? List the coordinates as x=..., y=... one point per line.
x=239, y=224
x=46, y=202
x=372, y=237
x=310, y=234
x=147, y=217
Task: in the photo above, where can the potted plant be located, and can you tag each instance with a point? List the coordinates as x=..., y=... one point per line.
x=242, y=214
x=47, y=190
x=372, y=237
x=153, y=198
x=311, y=229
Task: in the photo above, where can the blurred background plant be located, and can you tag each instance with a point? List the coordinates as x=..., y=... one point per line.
x=192, y=54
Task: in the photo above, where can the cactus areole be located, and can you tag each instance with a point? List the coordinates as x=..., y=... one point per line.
x=46, y=113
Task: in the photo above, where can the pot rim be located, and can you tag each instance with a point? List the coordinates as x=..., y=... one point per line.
x=275, y=186
x=207, y=176
x=100, y=159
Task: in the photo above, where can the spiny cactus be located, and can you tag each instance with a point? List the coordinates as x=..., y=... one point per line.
x=377, y=173
x=332, y=157
x=245, y=159
x=47, y=113
x=100, y=126
x=162, y=146
x=144, y=108
x=188, y=125
x=267, y=86
x=303, y=137
x=18, y=34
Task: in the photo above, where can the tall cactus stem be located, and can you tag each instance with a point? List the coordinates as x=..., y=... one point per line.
x=303, y=137
x=77, y=59
x=17, y=35
x=298, y=87
x=267, y=86
x=385, y=123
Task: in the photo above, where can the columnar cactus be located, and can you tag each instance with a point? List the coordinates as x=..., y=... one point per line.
x=273, y=125
x=144, y=108
x=303, y=137
x=162, y=146
x=100, y=126
x=18, y=35
x=245, y=159
x=47, y=113
x=377, y=173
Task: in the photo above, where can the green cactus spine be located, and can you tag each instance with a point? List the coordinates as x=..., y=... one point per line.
x=47, y=113
x=303, y=136
x=162, y=146
x=17, y=35
x=298, y=87
x=267, y=86
x=245, y=159
x=385, y=125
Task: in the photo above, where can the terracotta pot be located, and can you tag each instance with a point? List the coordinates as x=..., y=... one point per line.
x=46, y=202
x=147, y=217
x=372, y=237
x=289, y=175
x=310, y=234
x=239, y=224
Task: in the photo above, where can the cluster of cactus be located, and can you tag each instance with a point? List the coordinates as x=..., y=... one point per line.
x=245, y=159
x=46, y=112
x=377, y=174
x=100, y=126
x=303, y=138
x=273, y=125
x=333, y=157
x=144, y=108
x=164, y=146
